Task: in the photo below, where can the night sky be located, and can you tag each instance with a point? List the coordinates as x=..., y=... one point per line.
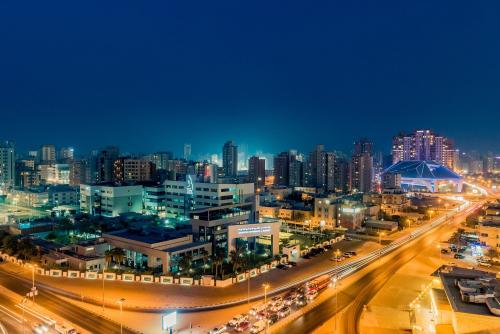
x=272, y=75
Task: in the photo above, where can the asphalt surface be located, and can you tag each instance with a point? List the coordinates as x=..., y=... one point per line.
x=87, y=320
x=354, y=297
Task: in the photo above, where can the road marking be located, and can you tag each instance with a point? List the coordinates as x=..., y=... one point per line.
x=11, y=314
x=36, y=314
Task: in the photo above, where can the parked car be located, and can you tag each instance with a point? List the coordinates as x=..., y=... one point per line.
x=292, y=263
x=459, y=256
x=282, y=266
x=444, y=251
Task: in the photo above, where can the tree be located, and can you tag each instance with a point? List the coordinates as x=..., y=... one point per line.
x=186, y=263
x=118, y=255
x=10, y=245
x=25, y=249
x=108, y=257
x=205, y=257
x=217, y=262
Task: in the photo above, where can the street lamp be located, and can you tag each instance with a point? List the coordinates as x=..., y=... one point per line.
x=266, y=286
x=121, y=301
x=33, y=287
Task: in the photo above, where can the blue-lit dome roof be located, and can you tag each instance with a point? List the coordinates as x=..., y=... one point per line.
x=422, y=170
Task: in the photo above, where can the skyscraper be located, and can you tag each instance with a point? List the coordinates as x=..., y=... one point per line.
x=105, y=164
x=361, y=168
x=7, y=163
x=281, y=169
x=295, y=170
x=230, y=158
x=187, y=151
x=257, y=171
x=321, y=167
x=66, y=153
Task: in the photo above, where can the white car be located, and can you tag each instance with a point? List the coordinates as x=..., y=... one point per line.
x=236, y=320
x=218, y=330
x=484, y=264
x=257, y=309
x=258, y=327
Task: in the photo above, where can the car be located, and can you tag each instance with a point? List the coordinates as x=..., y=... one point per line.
x=301, y=301
x=347, y=255
x=284, y=311
x=237, y=319
x=289, y=300
x=292, y=263
x=444, y=251
x=218, y=330
x=39, y=328
x=484, y=264
x=348, y=239
x=306, y=256
x=282, y=266
x=328, y=246
x=258, y=327
x=276, y=306
x=459, y=256
x=256, y=309
x=340, y=259
x=311, y=295
x=273, y=318
x=353, y=253
x=261, y=315
x=62, y=329
x=242, y=326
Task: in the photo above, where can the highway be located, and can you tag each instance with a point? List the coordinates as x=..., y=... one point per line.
x=352, y=298
x=87, y=320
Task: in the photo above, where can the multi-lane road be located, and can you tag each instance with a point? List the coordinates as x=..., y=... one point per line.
x=76, y=315
x=352, y=298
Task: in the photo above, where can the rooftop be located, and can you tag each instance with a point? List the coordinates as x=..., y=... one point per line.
x=151, y=235
x=423, y=170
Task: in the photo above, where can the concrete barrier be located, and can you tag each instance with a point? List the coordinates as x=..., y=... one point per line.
x=166, y=280
x=90, y=275
x=253, y=272
x=73, y=274
x=147, y=278
x=128, y=277
x=274, y=264
x=109, y=276
x=186, y=281
x=241, y=277
x=55, y=272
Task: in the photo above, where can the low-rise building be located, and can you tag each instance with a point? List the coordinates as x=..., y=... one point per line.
x=110, y=199
x=326, y=211
x=156, y=248
x=489, y=235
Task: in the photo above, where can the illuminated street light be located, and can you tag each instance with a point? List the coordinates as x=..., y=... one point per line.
x=380, y=234
x=266, y=287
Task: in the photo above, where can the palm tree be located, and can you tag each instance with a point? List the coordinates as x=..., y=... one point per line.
x=118, y=255
x=217, y=262
x=108, y=257
x=205, y=257
x=186, y=262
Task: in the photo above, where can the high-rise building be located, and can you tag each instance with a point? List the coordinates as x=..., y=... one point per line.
x=361, y=169
x=66, y=153
x=7, y=164
x=295, y=171
x=341, y=175
x=281, y=169
x=133, y=170
x=424, y=145
x=321, y=167
x=48, y=153
x=160, y=159
x=105, y=160
x=187, y=151
x=257, y=171
x=230, y=158
x=78, y=172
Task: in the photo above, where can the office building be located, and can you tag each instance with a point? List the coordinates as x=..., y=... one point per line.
x=230, y=159
x=67, y=153
x=295, y=171
x=236, y=226
x=110, y=199
x=184, y=196
x=321, y=169
x=391, y=180
x=154, y=200
x=7, y=164
x=361, y=168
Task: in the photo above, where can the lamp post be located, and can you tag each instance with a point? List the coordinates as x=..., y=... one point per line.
x=33, y=287
x=380, y=234
x=120, y=302
x=266, y=286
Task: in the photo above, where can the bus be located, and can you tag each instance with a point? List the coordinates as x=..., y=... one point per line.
x=319, y=283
